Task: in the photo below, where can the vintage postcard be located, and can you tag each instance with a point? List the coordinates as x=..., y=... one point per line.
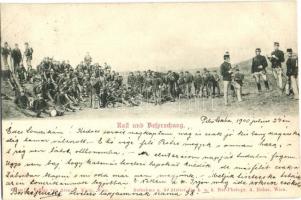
x=150, y=101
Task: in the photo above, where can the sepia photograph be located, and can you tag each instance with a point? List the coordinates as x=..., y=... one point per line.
x=150, y=100
x=157, y=59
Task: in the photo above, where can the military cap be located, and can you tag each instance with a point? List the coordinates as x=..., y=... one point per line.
x=227, y=53
x=290, y=50
x=226, y=56
x=276, y=43
x=197, y=71
x=258, y=49
x=26, y=43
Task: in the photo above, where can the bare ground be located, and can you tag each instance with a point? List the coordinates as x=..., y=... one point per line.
x=272, y=102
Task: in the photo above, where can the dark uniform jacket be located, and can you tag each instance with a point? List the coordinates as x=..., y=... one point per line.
x=292, y=66
x=131, y=80
x=198, y=81
x=277, y=62
x=139, y=80
x=16, y=55
x=224, y=69
x=5, y=51
x=188, y=78
x=22, y=101
x=239, y=77
x=28, y=53
x=257, y=61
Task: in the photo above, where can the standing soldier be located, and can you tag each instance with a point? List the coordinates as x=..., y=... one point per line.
x=88, y=59
x=181, y=83
x=292, y=72
x=216, y=88
x=5, y=51
x=171, y=84
x=94, y=91
x=17, y=57
x=226, y=73
x=156, y=82
x=188, y=83
x=259, y=64
x=131, y=80
x=238, y=79
x=276, y=58
x=197, y=81
x=28, y=54
x=207, y=87
x=7, y=70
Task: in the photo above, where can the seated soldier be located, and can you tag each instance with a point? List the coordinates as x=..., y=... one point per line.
x=62, y=102
x=22, y=74
x=188, y=78
x=48, y=90
x=127, y=97
x=40, y=106
x=23, y=102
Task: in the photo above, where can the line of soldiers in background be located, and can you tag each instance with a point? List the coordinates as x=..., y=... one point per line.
x=16, y=56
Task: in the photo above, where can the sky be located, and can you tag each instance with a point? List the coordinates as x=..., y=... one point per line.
x=158, y=36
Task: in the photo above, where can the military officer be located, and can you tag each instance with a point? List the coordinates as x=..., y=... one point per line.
x=292, y=72
x=276, y=58
x=259, y=64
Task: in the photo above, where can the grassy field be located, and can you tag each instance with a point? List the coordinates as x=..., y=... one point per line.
x=272, y=102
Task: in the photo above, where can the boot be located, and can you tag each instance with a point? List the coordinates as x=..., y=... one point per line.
x=259, y=87
x=266, y=85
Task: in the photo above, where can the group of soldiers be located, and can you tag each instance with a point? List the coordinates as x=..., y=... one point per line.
x=55, y=87
x=159, y=87
x=286, y=82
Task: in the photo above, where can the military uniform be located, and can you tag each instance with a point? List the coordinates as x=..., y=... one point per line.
x=292, y=73
x=181, y=83
x=277, y=57
x=5, y=51
x=198, y=82
x=171, y=83
x=216, y=88
x=17, y=58
x=188, y=78
x=28, y=54
x=226, y=73
x=156, y=82
x=88, y=60
x=259, y=64
x=131, y=80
